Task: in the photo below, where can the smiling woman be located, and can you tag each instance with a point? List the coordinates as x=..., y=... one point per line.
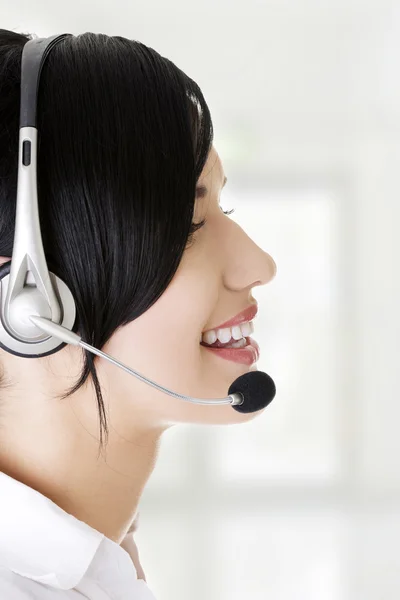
x=125, y=139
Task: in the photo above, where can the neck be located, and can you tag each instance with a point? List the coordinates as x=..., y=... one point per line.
x=64, y=463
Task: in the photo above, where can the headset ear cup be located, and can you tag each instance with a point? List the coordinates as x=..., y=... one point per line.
x=32, y=350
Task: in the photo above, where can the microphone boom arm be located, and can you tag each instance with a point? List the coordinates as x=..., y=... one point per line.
x=69, y=337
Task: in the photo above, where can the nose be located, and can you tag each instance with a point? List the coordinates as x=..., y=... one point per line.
x=247, y=265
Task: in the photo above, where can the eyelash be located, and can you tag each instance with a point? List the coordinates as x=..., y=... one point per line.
x=196, y=226
x=228, y=212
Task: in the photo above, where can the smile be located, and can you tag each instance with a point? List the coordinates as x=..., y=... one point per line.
x=232, y=341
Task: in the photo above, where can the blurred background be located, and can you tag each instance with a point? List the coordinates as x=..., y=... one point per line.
x=304, y=502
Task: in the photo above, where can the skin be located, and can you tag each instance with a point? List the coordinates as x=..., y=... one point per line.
x=60, y=438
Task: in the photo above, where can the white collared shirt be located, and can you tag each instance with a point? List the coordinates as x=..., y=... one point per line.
x=48, y=554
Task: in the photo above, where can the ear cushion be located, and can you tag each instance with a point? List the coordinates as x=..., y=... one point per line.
x=4, y=271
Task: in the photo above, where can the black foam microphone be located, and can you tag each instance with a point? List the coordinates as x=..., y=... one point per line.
x=257, y=388
x=248, y=393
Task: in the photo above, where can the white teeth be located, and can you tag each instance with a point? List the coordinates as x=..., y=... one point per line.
x=224, y=335
x=209, y=337
x=246, y=329
x=237, y=333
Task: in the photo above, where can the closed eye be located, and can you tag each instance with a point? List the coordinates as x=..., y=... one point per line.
x=202, y=191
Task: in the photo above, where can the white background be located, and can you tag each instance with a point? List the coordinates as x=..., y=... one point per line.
x=302, y=503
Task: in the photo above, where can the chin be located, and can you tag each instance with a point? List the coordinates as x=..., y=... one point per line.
x=238, y=417
x=218, y=415
x=214, y=383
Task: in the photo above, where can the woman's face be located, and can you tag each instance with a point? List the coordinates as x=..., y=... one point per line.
x=211, y=286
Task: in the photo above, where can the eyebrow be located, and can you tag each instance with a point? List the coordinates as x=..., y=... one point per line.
x=201, y=190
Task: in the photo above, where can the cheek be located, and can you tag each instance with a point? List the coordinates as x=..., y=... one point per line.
x=164, y=343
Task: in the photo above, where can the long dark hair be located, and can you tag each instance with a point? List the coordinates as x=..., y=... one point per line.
x=123, y=137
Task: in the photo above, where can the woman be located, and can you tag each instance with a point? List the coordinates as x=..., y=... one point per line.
x=129, y=187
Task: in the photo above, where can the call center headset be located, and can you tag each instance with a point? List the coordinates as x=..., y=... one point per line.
x=37, y=309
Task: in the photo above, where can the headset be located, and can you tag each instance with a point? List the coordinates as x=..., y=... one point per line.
x=37, y=309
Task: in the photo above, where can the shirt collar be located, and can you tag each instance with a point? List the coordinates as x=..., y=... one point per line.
x=41, y=541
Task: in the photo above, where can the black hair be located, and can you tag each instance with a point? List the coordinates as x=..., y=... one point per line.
x=123, y=136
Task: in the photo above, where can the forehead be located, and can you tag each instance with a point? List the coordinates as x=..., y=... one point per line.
x=213, y=171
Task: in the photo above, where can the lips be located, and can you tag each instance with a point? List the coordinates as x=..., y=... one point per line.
x=247, y=314
x=247, y=356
